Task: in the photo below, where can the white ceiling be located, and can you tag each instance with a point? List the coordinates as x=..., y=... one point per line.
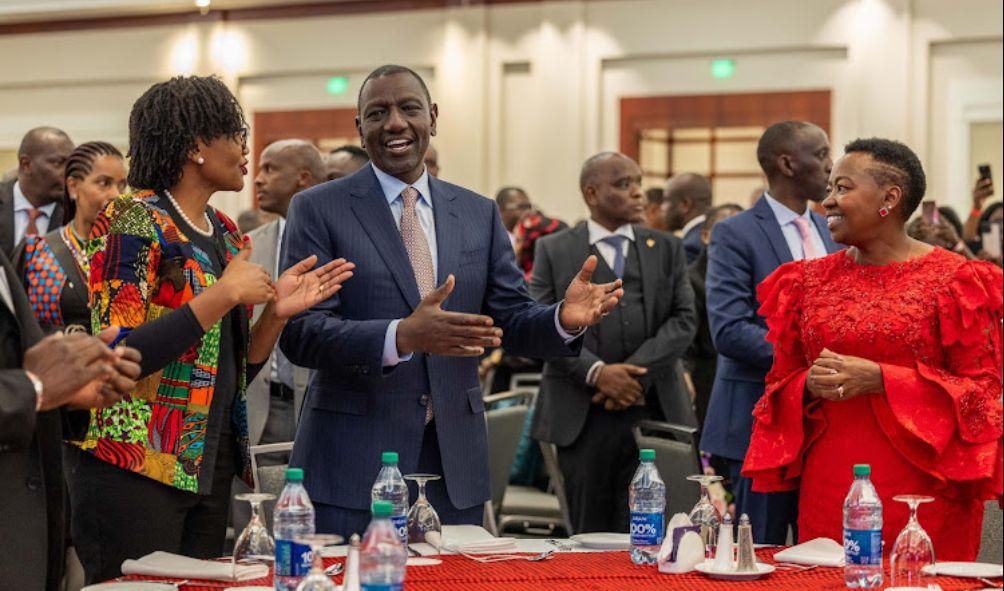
x=40, y=10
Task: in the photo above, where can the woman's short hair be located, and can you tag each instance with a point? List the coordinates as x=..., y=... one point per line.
x=896, y=165
x=168, y=120
x=78, y=165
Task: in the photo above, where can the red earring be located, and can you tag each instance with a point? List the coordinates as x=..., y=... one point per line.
x=884, y=211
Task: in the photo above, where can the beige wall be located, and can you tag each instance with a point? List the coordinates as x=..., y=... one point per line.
x=526, y=92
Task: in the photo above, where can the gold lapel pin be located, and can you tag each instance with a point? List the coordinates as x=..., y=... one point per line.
x=650, y=242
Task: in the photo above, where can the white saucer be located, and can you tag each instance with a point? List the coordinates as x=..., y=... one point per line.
x=131, y=586
x=965, y=569
x=603, y=541
x=707, y=568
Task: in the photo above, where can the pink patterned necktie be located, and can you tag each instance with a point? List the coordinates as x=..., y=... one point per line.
x=419, y=254
x=809, y=250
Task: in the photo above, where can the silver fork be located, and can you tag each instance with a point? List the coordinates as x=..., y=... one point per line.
x=488, y=558
x=559, y=545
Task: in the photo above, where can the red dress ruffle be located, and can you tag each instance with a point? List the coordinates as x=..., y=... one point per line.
x=934, y=325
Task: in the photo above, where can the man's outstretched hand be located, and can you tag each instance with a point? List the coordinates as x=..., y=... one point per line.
x=587, y=302
x=430, y=329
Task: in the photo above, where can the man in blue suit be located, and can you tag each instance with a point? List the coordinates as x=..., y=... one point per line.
x=745, y=249
x=397, y=357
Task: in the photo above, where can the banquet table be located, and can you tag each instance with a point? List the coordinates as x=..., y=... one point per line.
x=588, y=571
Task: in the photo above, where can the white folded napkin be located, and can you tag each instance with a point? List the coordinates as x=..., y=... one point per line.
x=173, y=566
x=817, y=552
x=494, y=546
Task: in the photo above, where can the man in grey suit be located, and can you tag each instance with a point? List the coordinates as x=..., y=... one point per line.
x=628, y=368
x=37, y=377
x=30, y=203
x=285, y=168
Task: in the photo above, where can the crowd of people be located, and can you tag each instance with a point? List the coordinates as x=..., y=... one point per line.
x=149, y=340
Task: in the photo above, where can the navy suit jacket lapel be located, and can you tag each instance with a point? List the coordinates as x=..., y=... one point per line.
x=373, y=212
x=768, y=223
x=449, y=242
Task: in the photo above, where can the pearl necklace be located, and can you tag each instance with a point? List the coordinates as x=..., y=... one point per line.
x=207, y=233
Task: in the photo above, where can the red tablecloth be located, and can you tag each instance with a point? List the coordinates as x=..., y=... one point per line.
x=599, y=571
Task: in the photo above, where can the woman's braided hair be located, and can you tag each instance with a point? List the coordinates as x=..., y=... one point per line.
x=169, y=118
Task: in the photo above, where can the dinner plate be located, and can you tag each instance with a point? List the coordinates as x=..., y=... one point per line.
x=131, y=586
x=708, y=568
x=965, y=569
x=603, y=541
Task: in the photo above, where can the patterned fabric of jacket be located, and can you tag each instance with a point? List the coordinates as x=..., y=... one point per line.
x=142, y=267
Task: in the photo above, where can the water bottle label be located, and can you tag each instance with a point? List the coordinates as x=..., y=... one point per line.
x=400, y=523
x=292, y=559
x=863, y=546
x=646, y=528
x=382, y=586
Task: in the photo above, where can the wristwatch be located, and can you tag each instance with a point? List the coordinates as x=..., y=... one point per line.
x=37, y=384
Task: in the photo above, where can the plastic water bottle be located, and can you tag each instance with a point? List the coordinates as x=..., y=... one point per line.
x=294, y=517
x=863, y=532
x=382, y=556
x=390, y=486
x=648, y=504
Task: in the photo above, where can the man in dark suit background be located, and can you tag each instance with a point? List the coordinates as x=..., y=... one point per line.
x=628, y=367
x=38, y=376
x=701, y=358
x=745, y=249
x=30, y=204
x=687, y=199
x=397, y=357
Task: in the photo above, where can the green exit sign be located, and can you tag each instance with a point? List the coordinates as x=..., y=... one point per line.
x=723, y=68
x=337, y=85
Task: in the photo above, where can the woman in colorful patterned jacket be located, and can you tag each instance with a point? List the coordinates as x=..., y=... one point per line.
x=173, y=273
x=54, y=267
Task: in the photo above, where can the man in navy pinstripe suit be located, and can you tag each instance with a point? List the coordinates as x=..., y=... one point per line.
x=396, y=356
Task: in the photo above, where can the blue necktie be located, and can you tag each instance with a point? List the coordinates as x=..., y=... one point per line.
x=617, y=242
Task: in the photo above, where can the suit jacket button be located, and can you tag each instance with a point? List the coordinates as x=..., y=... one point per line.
x=365, y=369
x=34, y=483
x=423, y=400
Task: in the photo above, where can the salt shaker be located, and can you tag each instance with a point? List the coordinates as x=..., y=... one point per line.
x=747, y=559
x=351, y=580
x=723, y=553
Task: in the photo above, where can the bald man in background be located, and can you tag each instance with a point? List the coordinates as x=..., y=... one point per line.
x=687, y=200
x=30, y=202
x=344, y=160
x=432, y=161
x=285, y=168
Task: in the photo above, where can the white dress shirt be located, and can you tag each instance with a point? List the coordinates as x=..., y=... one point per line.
x=597, y=233
x=692, y=224
x=21, y=207
x=392, y=188
x=786, y=219
x=5, y=294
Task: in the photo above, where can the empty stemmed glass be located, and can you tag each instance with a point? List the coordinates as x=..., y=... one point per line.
x=705, y=514
x=423, y=521
x=913, y=549
x=254, y=544
x=316, y=580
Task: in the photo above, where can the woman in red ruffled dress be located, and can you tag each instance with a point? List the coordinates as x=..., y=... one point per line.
x=889, y=354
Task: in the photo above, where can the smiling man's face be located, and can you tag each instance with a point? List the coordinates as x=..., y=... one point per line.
x=395, y=123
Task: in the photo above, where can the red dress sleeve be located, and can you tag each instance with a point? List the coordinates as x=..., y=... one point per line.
x=773, y=459
x=946, y=417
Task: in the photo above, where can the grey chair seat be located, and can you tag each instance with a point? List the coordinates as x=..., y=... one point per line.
x=990, y=542
x=527, y=501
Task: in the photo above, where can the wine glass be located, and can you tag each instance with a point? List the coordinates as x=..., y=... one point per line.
x=705, y=514
x=254, y=544
x=316, y=580
x=913, y=549
x=423, y=521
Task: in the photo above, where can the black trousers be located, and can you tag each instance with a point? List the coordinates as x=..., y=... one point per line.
x=117, y=514
x=332, y=519
x=771, y=514
x=598, y=467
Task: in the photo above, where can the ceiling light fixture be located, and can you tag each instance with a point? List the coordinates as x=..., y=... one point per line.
x=203, y=5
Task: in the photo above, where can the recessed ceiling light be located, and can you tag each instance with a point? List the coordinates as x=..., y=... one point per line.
x=203, y=3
